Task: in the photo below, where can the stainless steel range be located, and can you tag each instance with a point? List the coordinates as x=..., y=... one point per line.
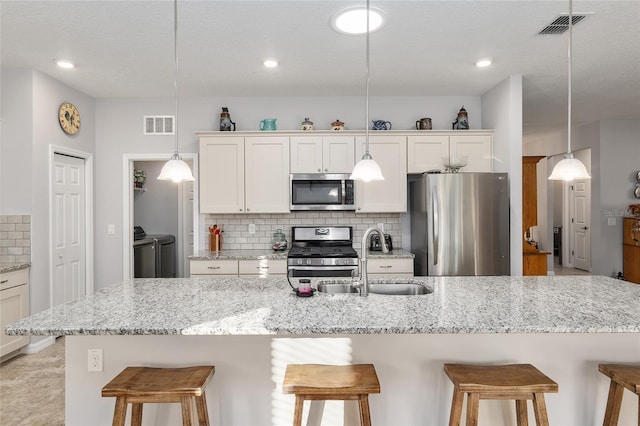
x=322, y=252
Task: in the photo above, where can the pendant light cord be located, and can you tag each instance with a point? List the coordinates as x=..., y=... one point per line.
x=366, y=150
x=569, y=76
x=175, y=71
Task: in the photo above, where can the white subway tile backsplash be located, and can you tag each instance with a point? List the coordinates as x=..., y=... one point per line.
x=236, y=226
x=15, y=238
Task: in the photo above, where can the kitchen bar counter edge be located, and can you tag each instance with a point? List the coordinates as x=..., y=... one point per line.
x=267, y=306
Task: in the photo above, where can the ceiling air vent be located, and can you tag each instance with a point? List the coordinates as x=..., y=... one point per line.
x=561, y=24
x=158, y=124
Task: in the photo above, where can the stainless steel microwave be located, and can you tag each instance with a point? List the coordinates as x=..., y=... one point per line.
x=319, y=191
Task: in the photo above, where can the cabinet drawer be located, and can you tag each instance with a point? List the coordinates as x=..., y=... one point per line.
x=390, y=266
x=13, y=278
x=214, y=267
x=262, y=267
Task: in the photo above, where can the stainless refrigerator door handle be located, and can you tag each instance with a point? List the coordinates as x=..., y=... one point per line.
x=435, y=219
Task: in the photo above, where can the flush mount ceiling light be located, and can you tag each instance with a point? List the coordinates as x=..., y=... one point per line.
x=270, y=63
x=482, y=63
x=569, y=168
x=64, y=63
x=367, y=169
x=176, y=169
x=353, y=21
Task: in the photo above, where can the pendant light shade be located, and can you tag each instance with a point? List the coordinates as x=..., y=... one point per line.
x=176, y=169
x=367, y=169
x=569, y=168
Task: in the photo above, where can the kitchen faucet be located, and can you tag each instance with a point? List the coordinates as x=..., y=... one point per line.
x=363, y=281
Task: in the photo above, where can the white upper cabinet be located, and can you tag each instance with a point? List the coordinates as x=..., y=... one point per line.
x=389, y=195
x=322, y=154
x=267, y=174
x=221, y=174
x=429, y=152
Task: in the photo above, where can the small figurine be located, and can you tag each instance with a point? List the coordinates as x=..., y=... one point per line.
x=337, y=125
x=307, y=125
x=462, y=122
x=225, y=121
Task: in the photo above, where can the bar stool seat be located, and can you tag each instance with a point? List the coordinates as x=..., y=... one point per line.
x=138, y=385
x=520, y=382
x=622, y=376
x=317, y=382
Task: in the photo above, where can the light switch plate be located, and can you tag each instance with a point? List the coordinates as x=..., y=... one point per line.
x=381, y=226
x=611, y=221
x=111, y=229
x=252, y=228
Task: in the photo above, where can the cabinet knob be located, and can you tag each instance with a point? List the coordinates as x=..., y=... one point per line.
x=240, y=209
x=359, y=208
x=326, y=170
x=248, y=209
x=319, y=170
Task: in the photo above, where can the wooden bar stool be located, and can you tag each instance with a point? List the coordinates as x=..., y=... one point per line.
x=316, y=382
x=138, y=385
x=516, y=381
x=622, y=376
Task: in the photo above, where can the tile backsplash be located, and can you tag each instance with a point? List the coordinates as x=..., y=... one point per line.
x=236, y=226
x=15, y=238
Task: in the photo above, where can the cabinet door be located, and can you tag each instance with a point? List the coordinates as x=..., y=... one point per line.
x=389, y=195
x=306, y=154
x=426, y=153
x=477, y=148
x=221, y=174
x=338, y=154
x=267, y=174
x=14, y=305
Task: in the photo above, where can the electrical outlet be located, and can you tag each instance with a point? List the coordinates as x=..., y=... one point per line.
x=381, y=226
x=94, y=359
x=611, y=221
x=252, y=228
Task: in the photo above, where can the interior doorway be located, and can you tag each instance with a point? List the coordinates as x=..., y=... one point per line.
x=71, y=224
x=160, y=207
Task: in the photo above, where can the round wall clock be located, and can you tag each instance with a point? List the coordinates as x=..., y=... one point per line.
x=69, y=118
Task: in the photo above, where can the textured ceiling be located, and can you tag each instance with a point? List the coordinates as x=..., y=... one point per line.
x=124, y=49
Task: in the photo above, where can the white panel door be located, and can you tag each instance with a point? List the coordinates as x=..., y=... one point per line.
x=68, y=233
x=267, y=174
x=306, y=154
x=581, y=225
x=338, y=153
x=222, y=174
x=426, y=153
x=389, y=195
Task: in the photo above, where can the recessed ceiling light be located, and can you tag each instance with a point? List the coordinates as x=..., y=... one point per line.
x=64, y=63
x=483, y=63
x=270, y=63
x=353, y=21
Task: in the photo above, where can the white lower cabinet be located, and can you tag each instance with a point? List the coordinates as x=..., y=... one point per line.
x=14, y=305
x=389, y=195
x=430, y=152
x=380, y=267
x=235, y=268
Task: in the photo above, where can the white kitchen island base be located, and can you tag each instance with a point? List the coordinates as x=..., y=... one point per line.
x=245, y=389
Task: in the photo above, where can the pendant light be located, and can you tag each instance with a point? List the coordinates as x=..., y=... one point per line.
x=176, y=169
x=569, y=168
x=367, y=169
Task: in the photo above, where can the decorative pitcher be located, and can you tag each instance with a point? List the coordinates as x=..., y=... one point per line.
x=381, y=125
x=268, y=124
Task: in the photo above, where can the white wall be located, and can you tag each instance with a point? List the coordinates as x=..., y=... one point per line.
x=16, y=147
x=502, y=111
x=119, y=131
x=36, y=132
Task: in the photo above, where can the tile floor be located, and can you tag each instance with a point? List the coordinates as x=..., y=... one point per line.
x=32, y=388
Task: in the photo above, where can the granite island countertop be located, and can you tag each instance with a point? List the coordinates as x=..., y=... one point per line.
x=275, y=255
x=266, y=306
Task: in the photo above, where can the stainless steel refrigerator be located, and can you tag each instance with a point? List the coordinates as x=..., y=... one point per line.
x=460, y=224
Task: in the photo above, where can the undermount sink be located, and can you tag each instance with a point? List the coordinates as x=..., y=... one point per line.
x=397, y=288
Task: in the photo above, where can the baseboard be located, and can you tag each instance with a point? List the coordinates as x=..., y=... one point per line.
x=550, y=273
x=36, y=347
